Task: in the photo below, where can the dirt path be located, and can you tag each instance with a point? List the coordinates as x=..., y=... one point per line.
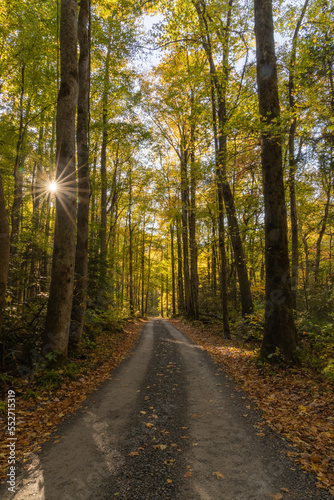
x=167, y=425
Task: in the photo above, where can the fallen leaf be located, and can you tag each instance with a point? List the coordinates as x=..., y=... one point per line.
x=285, y=490
x=278, y=496
x=149, y=425
x=169, y=481
x=188, y=474
x=134, y=454
x=159, y=446
x=218, y=475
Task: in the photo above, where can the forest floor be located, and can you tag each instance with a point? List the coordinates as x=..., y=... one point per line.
x=170, y=423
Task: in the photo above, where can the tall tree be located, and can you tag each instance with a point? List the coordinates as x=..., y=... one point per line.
x=292, y=157
x=56, y=333
x=220, y=86
x=4, y=251
x=81, y=255
x=279, y=330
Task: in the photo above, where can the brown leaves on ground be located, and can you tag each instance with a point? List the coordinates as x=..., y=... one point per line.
x=37, y=417
x=295, y=402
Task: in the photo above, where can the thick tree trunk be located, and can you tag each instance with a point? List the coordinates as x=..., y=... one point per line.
x=56, y=334
x=81, y=255
x=279, y=331
x=4, y=251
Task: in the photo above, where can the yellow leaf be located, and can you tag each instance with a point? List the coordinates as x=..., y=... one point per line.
x=169, y=481
x=218, y=475
x=159, y=446
x=149, y=425
x=134, y=454
x=278, y=496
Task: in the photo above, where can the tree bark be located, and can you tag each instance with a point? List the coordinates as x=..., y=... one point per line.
x=279, y=331
x=131, y=304
x=220, y=87
x=179, y=269
x=173, y=268
x=185, y=240
x=293, y=161
x=4, y=251
x=194, y=281
x=56, y=333
x=81, y=255
x=321, y=234
x=36, y=190
x=103, y=221
x=221, y=223
x=18, y=177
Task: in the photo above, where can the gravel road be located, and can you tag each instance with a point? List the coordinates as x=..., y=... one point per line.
x=166, y=425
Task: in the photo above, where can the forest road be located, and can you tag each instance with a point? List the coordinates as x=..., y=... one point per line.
x=166, y=425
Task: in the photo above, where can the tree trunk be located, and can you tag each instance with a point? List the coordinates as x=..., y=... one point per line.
x=220, y=86
x=293, y=161
x=173, y=268
x=221, y=224
x=194, y=281
x=131, y=304
x=4, y=251
x=18, y=179
x=56, y=333
x=279, y=331
x=179, y=270
x=162, y=296
x=36, y=191
x=321, y=234
x=81, y=255
x=185, y=241
x=103, y=222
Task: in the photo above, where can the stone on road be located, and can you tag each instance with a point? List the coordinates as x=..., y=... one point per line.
x=166, y=425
